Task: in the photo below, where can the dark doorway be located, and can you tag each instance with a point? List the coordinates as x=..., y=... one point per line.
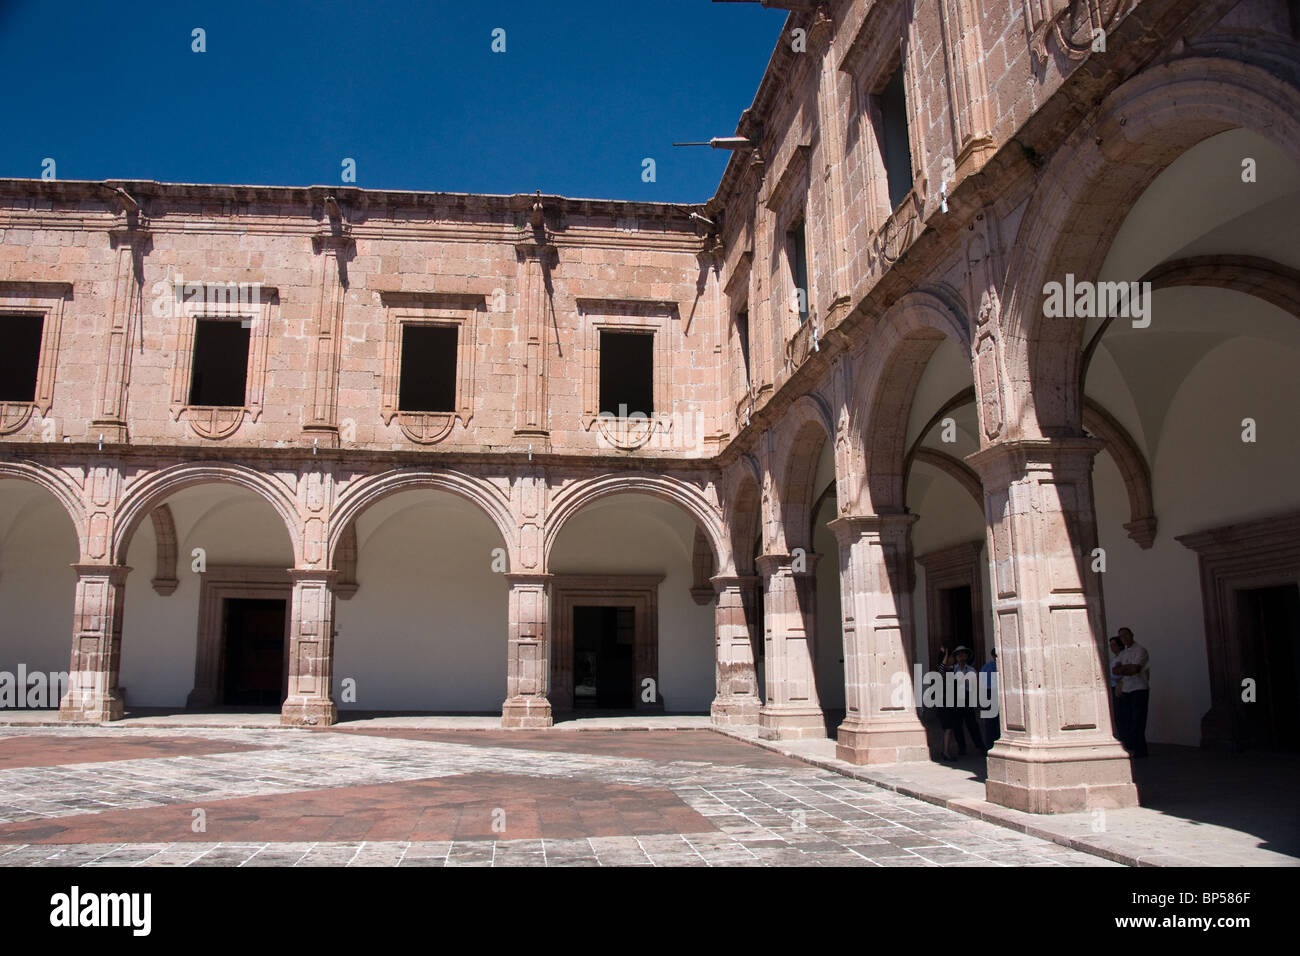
x=604, y=675
x=957, y=622
x=254, y=671
x=1270, y=629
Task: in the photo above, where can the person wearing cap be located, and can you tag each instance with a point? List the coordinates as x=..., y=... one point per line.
x=1133, y=668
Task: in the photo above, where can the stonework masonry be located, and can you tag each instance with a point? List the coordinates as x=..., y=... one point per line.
x=1029, y=140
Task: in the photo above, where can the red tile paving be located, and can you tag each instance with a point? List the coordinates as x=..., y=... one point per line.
x=45, y=751
x=697, y=745
x=444, y=808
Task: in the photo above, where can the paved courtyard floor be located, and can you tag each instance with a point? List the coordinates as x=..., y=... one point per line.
x=379, y=794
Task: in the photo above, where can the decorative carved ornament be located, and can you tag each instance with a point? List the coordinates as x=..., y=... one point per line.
x=1073, y=23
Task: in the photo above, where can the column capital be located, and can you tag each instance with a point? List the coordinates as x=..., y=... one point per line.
x=1003, y=462
x=116, y=573
x=721, y=582
x=325, y=576
x=526, y=578
x=848, y=528
x=769, y=564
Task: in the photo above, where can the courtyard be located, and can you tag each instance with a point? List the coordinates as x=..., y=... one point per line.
x=382, y=795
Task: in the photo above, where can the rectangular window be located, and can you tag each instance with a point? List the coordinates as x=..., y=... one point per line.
x=891, y=134
x=742, y=331
x=626, y=373
x=797, y=250
x=219, y=375
x=427, y=380
x=20, y=358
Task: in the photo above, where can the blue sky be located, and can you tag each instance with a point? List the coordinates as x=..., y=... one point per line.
x=412, y=91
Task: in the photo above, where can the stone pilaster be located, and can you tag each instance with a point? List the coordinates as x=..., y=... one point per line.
x=93, y=693
x=311, y=650
x=792, y=710
x=528, y=666
x=1057, y=753
x=876, y=583
x=124, y=319
x=737, y=700
x=531, y=320
x=333, y=249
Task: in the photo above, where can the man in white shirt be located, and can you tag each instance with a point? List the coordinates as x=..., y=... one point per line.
x=1132, y=665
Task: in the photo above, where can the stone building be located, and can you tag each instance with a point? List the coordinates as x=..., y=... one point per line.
x=988, y=336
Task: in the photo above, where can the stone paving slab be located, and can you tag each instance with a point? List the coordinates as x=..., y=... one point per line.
x=723, y=812
x=1138, y=836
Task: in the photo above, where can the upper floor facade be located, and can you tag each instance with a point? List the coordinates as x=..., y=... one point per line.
x=139, y=313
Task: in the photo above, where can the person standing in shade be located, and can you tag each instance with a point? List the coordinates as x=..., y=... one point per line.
x=1134, y=691
x=989, y=688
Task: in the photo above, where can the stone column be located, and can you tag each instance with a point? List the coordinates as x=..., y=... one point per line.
x=93, y=693
x=792, y=710
x=876, y=585
x=1057, y=753
x=528, y=663
x=311, y=650
x=737, y=700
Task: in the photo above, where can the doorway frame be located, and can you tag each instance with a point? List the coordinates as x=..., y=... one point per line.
x=220, y=583
x=1260, y=553
x=954, y=567
x=637, y=591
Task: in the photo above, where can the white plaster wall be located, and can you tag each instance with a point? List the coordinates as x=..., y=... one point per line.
x=638, y=534
x=427, y=630
x=1204, y=476
x=38, y=545
x=234, y=526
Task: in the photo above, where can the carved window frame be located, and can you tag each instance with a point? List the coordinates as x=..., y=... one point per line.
x=217, y=422
x=652, y=316
x=788, y=205
x=884, y=44
x=448, y=310
x=47, y=300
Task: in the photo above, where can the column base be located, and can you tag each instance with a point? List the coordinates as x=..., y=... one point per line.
x=309, y=712
x=881, y=741
x=526, y=712
x=734, y=711
x=791, y=723
x=1059, y=778
x=96, y=710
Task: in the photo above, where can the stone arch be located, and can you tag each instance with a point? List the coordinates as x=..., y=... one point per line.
x=674, y=490
x=147, y=493
x=1133, y=469
x=61, y=487
x=809, y=425
x=366, y=491
x=898, y=353
x=743, y=514
x=1087, y=190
